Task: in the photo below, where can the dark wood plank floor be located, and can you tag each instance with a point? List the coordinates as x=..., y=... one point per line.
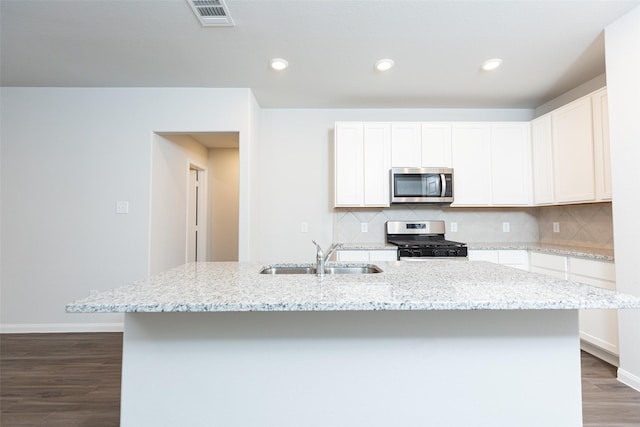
x=60, y=379
x=73, y=380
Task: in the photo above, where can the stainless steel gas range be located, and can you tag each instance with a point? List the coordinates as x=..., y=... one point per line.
x=418, y=240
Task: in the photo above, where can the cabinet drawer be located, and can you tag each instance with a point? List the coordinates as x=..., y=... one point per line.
x=383, y=255
x=597, y=269
x=364, y=255
x=550, y=262
x=513, y=257
x=483, y=255
x=359, y=256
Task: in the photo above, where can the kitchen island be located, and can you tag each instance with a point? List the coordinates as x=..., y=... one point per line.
x=442, y=343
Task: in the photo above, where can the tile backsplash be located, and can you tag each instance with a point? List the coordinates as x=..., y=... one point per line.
x=579, y=225
x=582, y=225
x=474, y=224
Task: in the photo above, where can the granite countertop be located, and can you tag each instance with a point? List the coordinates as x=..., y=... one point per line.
x=588, y=252
x=438, y=284
x=354, y=246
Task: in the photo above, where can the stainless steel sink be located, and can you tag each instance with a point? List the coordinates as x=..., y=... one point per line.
x=285, y=269
x=330, y=269
x=360, y=269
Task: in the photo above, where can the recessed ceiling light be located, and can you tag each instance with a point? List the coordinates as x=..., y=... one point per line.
x=384, y=64
x=491, y=64
x=278, y=64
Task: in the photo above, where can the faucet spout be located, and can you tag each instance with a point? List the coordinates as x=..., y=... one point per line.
x=319, y=260
x=322, y=258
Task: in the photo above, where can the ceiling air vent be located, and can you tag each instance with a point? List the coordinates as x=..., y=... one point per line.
x=211, y=13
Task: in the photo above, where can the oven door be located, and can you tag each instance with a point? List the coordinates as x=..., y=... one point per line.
x=421, y=185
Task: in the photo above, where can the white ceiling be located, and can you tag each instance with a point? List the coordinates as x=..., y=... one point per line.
x=548, y=47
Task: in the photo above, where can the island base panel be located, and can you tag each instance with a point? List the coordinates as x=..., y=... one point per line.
x=413, y=368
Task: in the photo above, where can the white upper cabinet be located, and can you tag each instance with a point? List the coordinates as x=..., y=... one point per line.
x=601, y=147
x=573, y=154
x=471, y=158
x=559, y=158
x=491, y=164
x=406, y=148
x=362, y=163
x=542, y=152
x=511, y=164
x=436, y=145
x=377, y=163
x=349, y=164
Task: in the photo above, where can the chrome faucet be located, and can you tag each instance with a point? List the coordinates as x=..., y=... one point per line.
x=321, y=258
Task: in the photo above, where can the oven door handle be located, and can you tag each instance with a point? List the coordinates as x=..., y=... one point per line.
x=443, y=181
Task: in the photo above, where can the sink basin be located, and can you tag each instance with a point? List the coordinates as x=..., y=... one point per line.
x=330, y=269
x=284, y=269
x=360, y=269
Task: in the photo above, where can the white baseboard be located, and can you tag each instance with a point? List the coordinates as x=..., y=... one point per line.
x=21, y=328
x=600, y=353
x=629, y=379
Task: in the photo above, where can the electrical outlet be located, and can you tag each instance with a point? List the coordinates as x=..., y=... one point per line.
x=304, y=227
x=364, y=227
x=454, y=227
x=122, y=207
x=506, y=227
x=556, y=227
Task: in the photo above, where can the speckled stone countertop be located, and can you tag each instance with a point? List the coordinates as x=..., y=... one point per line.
x=367, y=246
x=434, y=285
x=575, y=251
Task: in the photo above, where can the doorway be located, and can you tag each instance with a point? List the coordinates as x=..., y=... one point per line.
x=194, y=198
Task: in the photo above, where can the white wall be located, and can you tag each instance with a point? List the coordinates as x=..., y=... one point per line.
x=295, y=168
x=224, y=173
x=68, y=154
x=622, y=42
x=578, y=92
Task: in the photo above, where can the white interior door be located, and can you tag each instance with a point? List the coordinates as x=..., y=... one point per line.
x=195, y=206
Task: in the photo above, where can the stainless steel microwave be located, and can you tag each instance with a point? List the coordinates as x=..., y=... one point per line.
x=421, y=185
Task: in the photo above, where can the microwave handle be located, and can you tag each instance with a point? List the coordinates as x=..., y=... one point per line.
x=443, y=180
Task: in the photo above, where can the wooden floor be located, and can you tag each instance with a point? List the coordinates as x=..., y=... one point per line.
x=73, y=380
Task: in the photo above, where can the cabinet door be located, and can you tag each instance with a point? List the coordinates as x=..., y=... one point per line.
x=436, y=145
x=602, y=153
x=551, y=265
x=349, y=164
x=598, y=327
x=510, y=164
x=573, y=171
x=471, y=158
x=542, y=152
x=377, y=164
x=405, y=145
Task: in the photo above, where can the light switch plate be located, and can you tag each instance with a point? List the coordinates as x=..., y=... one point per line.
x=506, y=227
x=364, y=227
x=556, y=227
x=454, y=227
x=304, y=227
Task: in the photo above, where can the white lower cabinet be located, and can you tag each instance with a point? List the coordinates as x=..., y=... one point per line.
x=511, y=258
x=598, y=328
x=365, y=255
x=551, y=265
